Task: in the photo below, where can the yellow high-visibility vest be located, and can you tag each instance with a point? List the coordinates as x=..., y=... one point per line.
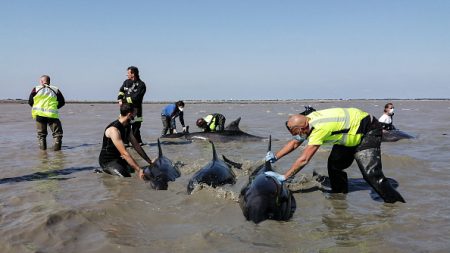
x=45, y=102
x=336, y=126
x=211, y=121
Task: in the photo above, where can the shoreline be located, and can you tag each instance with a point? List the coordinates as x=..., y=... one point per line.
x=232, y=101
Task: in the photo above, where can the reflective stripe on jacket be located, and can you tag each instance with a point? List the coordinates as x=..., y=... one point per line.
x=45, y=102
x=336, y=126
x=211, y=121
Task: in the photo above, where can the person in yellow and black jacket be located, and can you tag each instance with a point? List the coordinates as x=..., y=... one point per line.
x=132, y=91
x=212, y=122
x=46, y=100
x=354, y=134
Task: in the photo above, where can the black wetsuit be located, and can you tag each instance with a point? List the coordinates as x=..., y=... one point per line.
x=110, y=159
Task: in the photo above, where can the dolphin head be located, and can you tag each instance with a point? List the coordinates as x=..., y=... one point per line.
x=264, y=197
x=157, y=179
x=260, y=198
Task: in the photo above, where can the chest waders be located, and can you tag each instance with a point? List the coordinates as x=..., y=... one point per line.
x=368, y=157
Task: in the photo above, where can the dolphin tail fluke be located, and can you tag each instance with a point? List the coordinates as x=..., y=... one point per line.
x=159, y=149
x=233, y=126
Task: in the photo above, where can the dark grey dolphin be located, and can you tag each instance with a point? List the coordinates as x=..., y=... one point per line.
x=232, y=132
x=215, y=173
x=395, y=135
x=264, y=197
x=161, y=171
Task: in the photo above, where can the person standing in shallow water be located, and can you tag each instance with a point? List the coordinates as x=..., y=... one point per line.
x=114, y=157
x=355, y=135
x=132, y=91
x=46, y=100
x=386, y=118
x=168, y=115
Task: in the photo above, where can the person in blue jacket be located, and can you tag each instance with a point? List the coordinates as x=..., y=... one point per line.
x=168, y=115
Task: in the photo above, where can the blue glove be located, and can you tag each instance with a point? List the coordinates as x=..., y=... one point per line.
x=270, y=156
x=275, y=175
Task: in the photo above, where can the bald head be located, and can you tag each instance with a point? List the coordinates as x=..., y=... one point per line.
x=297, y=124
x=297, y=120
x=45, y=79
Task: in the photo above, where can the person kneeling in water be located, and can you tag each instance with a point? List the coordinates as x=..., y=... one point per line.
x=114, y=157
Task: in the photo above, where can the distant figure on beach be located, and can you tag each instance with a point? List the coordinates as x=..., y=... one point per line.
x=132, y=91
x=212, y=122
x=355, y=135
x=45, y=100
x=386, y=118
x=168, y=115
x=114, y=157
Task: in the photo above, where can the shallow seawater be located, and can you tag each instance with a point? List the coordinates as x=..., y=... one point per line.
x=53, y=202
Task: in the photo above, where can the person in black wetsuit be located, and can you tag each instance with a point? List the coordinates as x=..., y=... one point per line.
x=132, y=91
x=114, y=158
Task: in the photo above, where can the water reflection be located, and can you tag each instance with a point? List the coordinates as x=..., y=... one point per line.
x=50, y=166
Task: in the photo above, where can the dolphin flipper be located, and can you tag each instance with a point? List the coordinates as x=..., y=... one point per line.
x=231, y=163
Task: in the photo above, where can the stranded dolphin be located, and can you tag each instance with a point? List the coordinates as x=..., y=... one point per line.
x=232, y=132
x=215, y=173
x=264, y=197
x=395, y=135
x=161, y=171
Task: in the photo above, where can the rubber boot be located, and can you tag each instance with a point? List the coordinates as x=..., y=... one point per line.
x=42, y=143
x=338, y=181
x=57, y=142
x=369, y=162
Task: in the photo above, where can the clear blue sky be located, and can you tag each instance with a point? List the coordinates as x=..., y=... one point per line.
x=207, y=49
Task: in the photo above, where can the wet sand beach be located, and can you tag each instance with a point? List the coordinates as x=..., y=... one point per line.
x=53, y=202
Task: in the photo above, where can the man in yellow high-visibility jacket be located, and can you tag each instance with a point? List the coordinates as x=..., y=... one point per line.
x=354, y=134
x=212, y=122
x=46, y=100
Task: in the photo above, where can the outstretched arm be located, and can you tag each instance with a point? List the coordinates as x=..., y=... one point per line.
x=302, y=161
x=288, y=148
x=139, y=149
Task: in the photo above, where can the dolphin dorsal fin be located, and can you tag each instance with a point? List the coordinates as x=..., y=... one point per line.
x=159, y=149
x=214, y=151
x=234, y=126
x=269, y=148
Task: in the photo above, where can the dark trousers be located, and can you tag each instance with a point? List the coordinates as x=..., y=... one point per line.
x=168, y=124
x=54, y=124
x=136, y=131
x=220, y=122
x=368, y=157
